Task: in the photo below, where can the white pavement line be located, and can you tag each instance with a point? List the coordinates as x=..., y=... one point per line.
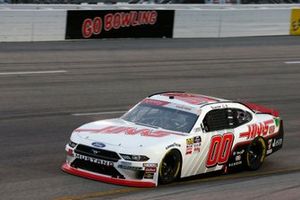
x=99, y=113
x=32, y=72
x=292, y=62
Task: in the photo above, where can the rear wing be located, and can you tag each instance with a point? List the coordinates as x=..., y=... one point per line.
x=261, y=109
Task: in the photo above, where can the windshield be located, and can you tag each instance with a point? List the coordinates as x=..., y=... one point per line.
x=162, y=117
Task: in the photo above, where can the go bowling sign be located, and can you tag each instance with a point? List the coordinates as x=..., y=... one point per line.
x=91, y=24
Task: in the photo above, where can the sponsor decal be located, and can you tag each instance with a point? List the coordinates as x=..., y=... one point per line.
x=70, y=152
x=196, y=148
x=259, y=129
x=129, y=131
x=189, y=146
x=270, y=143
x=181, y=107
x=168, y=105
x=197, y=139
x=150, y=169
x=93, y=160
x=98, y=144
x=238, y=158
x=189, y=150
x=238, y=152
x=155, y=102
x=189, y=141
x=88, y=24
x=150, y=164
x=149, y=175
x=124, y=163
x=272, y=129
x=222, y=106
x=129, y=167
x=235, y=163
x=173, y=145
x=197, y=144
x=277, y=142
x=193, y=145
x=277, y=122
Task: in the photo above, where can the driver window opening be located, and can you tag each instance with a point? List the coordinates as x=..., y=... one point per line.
x=225, y=119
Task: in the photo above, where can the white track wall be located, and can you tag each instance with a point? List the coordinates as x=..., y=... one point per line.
x=32, y=25
x=48, y=22
x=231, y=23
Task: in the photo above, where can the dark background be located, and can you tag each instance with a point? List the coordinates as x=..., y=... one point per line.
x=162, y=28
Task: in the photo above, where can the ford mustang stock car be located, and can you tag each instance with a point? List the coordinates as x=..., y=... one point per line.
x=172, y=135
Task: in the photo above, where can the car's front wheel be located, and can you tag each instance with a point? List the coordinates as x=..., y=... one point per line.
x=170, y=167
x=255, y=154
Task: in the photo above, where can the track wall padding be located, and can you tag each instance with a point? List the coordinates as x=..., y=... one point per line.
x=231, y=23
x=32, y=25
x=55, y=23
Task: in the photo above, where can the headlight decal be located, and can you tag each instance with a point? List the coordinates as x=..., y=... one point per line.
x=72, y=144
x=134, y=157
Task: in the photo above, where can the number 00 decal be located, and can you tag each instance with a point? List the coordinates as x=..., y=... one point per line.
x=219, y=150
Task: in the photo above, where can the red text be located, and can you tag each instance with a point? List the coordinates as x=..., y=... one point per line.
x=116, y=21
x=219, y=150
x=259, y=129
x=128, y=131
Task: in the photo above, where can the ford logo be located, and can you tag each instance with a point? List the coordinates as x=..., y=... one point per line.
x=98, y=144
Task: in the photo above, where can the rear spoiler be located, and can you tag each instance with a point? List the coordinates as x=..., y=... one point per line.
x=261, y=109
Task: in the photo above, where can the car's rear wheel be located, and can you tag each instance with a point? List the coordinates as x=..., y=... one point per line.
x=170, y=167
x=255, y=154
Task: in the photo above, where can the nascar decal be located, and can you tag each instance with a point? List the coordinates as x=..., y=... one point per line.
x=129, y=131
x=259, y=129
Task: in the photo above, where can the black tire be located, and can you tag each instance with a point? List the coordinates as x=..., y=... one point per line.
x=255, y=154
x=170, y=167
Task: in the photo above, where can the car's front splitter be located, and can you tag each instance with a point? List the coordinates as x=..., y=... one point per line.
x=78, y=172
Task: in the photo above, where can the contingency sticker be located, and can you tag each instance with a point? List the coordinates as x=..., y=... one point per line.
x=193, y=145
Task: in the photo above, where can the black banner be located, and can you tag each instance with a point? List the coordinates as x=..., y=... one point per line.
x=90, y=24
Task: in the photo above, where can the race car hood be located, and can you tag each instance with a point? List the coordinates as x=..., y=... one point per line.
x=118, y=132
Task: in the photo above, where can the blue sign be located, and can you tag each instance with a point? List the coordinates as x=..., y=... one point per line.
x=98, y=144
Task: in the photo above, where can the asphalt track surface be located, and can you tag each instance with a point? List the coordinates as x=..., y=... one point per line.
x=43, y=84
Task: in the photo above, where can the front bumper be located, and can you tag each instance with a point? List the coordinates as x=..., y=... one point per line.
x=107, y=179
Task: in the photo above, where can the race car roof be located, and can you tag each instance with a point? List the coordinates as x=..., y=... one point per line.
x=188, y=99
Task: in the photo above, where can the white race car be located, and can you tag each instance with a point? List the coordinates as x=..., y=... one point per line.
x=172, y=135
